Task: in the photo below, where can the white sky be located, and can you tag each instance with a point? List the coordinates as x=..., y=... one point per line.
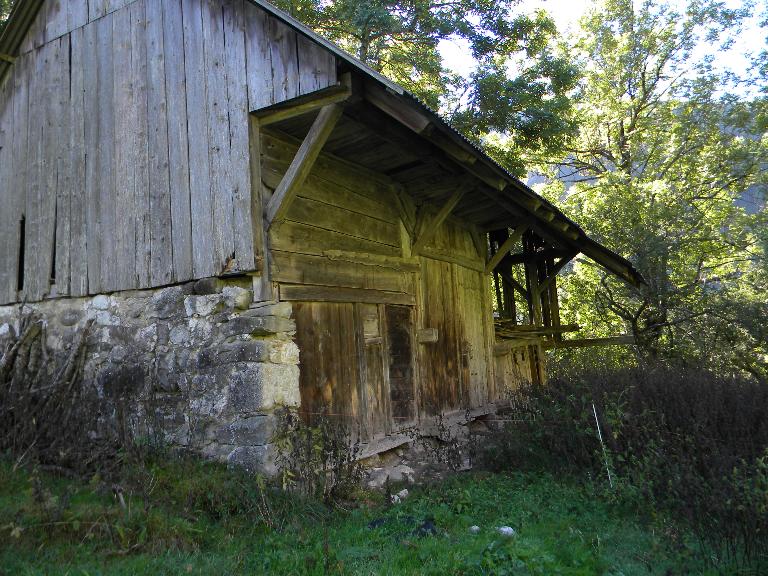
x=566, y=14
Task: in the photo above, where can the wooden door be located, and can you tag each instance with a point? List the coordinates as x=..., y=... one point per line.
x=356, y=364
x=440, y=376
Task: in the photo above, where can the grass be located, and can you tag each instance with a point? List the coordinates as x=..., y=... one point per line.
x=189, y=517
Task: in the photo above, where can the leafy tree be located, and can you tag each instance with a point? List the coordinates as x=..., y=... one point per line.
x=516, y=100
x=5, y=10
x=662, y=164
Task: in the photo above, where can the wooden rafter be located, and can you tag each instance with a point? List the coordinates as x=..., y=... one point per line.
x=553, y=273
x=302, y=163
x=426, y=234
x=505, y=248
x=305, y=104
x=7, y=58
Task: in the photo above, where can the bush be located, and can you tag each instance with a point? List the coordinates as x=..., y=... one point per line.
x=681, y=440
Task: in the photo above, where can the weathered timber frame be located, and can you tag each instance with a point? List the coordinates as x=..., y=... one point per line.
x=302, y=163
x=428, y=230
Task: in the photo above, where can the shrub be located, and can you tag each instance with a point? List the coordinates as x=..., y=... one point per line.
x=681, y=440
x=319, y=460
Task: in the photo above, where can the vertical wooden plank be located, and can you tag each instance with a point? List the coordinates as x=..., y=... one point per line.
x=8, y=228
x=285, y=68
x=56, y=23
x=199, y=172
x=77, y=14
x=124, y=218
x=399, y=332
x=263, y=289
x=218, y=135
x=489, y=336
x=106, y=160
x=317, y=66
x=32, y=284
x=178, y=147
x=239, y=170
x=92, y=152
x=78, y=201
x=63, y=169
x=97, y=9
x=141, y=176
x=21, y=75
x=28, y=43
x=159, y=175
x=258, y=57
x=52, y=111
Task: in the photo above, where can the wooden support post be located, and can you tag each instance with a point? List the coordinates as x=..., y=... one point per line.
x=480, y=240
x=262, y=285
x=554, y=303
x=554, y=269
x=532, y=280
x=429, y=230
x=302, y=163
x=505, y=248
x=517, y=286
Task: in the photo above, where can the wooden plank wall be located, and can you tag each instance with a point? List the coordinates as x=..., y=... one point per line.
x=341, y=216
x=125, y=141
x=457, y=370
x=357, y=365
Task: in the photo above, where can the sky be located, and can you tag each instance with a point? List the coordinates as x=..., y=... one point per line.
x=566, y=14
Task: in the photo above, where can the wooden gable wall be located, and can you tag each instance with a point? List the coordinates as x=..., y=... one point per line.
x=365, y=308
x=124, y=153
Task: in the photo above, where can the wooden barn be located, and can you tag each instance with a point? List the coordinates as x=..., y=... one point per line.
x=147, y=144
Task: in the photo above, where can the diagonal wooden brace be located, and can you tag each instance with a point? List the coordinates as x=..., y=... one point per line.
x=302, y=163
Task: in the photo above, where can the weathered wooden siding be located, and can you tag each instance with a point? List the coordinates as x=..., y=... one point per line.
x=515, y=368
x=457, y=370
x=341, y=221
x=126, y=152
x=357, y=365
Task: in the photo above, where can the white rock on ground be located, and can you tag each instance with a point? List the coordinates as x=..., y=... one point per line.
x=506, y=531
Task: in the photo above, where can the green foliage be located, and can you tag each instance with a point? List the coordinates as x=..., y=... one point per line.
x=178, y=526
x=676, y=441
x=515, y=103
x=664, y=163
x=320, y=460
x=5, y=10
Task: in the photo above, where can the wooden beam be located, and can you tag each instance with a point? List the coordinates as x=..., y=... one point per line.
x=522, y=258
x=302, y=163
x=505, y=248
x=553, y=273
x=626, y=340
x=517, y=286
x=307, y=293
x=7, y=58
x=453, y=258
x=507, y=326
x=304, y=104
x=429, y=231
x=480, y=240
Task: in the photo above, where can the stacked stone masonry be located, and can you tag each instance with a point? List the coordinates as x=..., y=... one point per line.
x=199, y=365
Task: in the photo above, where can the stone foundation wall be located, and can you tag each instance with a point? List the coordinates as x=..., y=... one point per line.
x=200, y=365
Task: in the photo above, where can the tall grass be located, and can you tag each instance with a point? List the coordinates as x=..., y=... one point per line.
x=675, y=439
